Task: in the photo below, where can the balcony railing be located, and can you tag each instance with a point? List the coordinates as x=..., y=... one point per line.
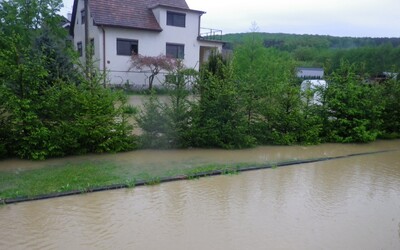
x=210, y=34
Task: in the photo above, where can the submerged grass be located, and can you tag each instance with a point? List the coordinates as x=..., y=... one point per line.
x=58, y=179
x=96, y=176
x=87, y=176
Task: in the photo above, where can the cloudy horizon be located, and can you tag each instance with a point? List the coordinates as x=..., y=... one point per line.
x=356, y=18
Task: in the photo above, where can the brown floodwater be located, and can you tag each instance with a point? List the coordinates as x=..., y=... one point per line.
x=349, y=203
x=159, y=161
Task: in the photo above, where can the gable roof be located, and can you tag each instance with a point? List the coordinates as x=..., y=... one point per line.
x=135, y=14
x=313, y=69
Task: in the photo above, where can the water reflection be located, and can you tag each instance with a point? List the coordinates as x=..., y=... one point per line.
x=350, y=203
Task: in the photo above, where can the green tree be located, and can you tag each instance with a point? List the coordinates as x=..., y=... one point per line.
x=180, y=84
x=353, y=107
x=4, y=122
x=251, y=70
x=167, y=124
x=218, y=118
x=45, y=111
x=153, y=123
x=391, y=111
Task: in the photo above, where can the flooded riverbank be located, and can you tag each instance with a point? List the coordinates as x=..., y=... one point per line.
x=349, y=203
x=159, y=161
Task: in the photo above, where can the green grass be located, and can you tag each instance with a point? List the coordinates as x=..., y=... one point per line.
x=390, y=136
x=86, y=176
x=56, y=179
x=131, y=110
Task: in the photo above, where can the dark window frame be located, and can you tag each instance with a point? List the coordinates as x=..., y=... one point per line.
x=79, y=48
x=175, y=19
x=175, y=50
x=83, y=16
x=133, y=46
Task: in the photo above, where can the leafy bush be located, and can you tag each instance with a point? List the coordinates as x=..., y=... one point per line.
x=68, y=119
x=391, y=112
x=4, y=122
x=167, y=125
x=353, y=107
x=178, y=111
x=153, y=123
x=48, y=107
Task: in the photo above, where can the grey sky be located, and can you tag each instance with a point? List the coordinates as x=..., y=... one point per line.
x=359, y=18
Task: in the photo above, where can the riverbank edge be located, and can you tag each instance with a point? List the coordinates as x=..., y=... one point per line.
x=139, y=183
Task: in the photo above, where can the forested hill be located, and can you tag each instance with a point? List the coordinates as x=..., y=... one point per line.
x=372, y=55
x=290, y=42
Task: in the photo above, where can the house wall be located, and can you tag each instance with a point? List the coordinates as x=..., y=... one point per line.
x=316, y=86
x=206, y=48
x=79, y=34
x=118, y=66
x=181, y=35
x=150, y=43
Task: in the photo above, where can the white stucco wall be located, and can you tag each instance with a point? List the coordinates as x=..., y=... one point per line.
x=150, y=43
x=79, y=34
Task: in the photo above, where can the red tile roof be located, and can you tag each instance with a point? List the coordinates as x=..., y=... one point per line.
x=128, y=13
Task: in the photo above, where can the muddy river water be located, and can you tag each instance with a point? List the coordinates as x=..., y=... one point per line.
x=349, y=203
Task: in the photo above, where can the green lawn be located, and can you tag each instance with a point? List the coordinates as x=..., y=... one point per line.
x=86, y=176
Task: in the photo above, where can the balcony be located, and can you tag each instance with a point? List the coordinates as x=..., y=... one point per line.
x=210, y=34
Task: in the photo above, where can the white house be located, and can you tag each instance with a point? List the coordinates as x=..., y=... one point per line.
x=118, y=28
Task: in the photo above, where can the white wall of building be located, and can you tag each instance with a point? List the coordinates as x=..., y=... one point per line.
x=79, y=34
x=150, y=43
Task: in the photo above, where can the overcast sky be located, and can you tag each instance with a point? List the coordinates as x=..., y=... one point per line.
x=356, y=18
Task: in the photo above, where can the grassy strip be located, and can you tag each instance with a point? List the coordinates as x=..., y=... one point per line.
x=56, y=180
x=86, y=177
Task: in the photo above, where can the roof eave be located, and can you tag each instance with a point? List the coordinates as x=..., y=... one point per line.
x=128, y=27
x=73, y=17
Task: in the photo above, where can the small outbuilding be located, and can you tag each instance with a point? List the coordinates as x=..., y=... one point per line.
x=314, y=87
x=310, y=73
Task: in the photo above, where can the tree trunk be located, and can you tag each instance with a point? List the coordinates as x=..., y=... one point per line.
x=151, y=78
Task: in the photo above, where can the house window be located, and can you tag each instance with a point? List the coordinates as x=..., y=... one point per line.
x=175, y=50
x=176, y=19
x=127, y=47
x=79, y=47
x=83, y=16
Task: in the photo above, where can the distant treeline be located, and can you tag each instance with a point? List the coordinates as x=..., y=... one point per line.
x=289, y=42
x=377, y=55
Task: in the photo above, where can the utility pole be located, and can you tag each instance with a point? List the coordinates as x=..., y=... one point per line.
x=87, y=45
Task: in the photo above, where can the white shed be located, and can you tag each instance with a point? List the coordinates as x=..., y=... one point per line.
x=315, y=87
